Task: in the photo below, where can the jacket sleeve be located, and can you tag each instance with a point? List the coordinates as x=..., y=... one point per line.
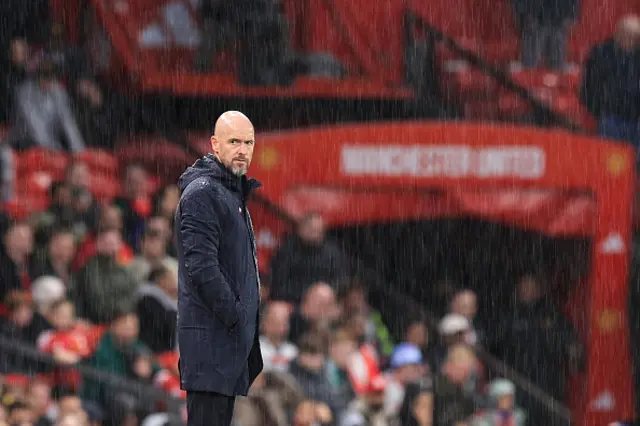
x=199, y=237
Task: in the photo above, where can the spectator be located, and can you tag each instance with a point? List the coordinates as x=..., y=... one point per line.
x=368, y=409
x=45, y=292
x=17, y=243
x=17, y=328
x=158, y=309
x=354, y=300
x=418, y=404
x=272, y=397
x=341, y=371
x=43, y=111
x=41, y=403
x=277, y=352
x=538, y=342
x=502, y=409
x=20, y=414
x=309, y=369
x=417, y=334
x=102, y=287
x=55, y=260
x=85, y=208
x=453, y=404
x=166, y=203
x=153, y=249
x=304, y=259
x=406, y=366
x=545, y=27
x=59, y=213
x=465, y=303
x=610, y=83
x=110, y=218
x=453, y=329
x=135, y=204
x=115, y=355
x=70, y=404
x=317, y=313
x=16, y=74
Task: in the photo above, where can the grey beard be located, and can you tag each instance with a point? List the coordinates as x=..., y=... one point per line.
x=239, y=171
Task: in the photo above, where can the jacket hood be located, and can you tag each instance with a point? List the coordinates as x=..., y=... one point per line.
x=210, y=166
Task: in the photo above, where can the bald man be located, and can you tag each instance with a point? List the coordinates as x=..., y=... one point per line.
x=218, y=282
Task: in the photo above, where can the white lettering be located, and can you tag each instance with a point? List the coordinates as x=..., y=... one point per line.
x=444, y=161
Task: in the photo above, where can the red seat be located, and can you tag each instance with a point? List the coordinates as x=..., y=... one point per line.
x=38, y=159
x=25, y=205
x=565, y=82
x=35, y=184
x=99, y=161
x=104, y=188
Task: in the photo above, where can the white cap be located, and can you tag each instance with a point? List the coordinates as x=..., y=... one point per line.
x=46, y=290
x=452, y=324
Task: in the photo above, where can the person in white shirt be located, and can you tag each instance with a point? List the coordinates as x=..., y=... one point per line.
x=277, y=352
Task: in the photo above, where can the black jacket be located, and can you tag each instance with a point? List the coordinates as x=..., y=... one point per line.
x=611, y=82
x=219, y=294
x=157, y=313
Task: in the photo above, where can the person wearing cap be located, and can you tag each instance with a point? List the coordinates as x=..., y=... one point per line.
x=502, y=410
x=406, y=365
x=453, y=329
x=368, y=410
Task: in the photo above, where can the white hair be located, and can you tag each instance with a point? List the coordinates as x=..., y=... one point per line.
x=46, y=290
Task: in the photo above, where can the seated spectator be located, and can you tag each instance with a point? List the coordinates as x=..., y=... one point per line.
x=502, y=408
x=343, y=375
x=45, y=292
x=417, y=407
x=354, y=300
x=368, y=409
x=19, y=413
x=102, y=286
x=42, y=112
x=610, y=83
x=309, y=369
x=465, y=303
x=453, y=329
x=304, y=259
x=317, y=312
x=452, y=403
x=41, y=404
x=17, y=327
x=110, y=218
x=277, y=352
x=135, y=204
x=153, y=249
x=59, y=213
x=56, y=258
x=364, y=363
x=86, y=212
x=15, y=248
x=406, y=366
x=417, y=334
x=272, y=397
x=545, y=30
x=70, y=404
x=157, y=304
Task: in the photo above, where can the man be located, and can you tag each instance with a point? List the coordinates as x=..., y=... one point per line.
x=610, y=83
x=218, y=284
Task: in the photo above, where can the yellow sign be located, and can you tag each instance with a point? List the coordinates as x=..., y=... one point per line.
x=609, y=320
x=616, y=163
x=268, y=158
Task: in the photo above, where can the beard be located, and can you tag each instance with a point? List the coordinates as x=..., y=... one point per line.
x=239, y=171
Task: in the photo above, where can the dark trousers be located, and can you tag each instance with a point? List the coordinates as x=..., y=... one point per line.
x=209, y=409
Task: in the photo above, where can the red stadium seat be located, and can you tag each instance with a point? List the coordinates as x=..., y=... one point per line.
x=38, y=159
x=35, y=184
x=99, y=161
x=26, y=205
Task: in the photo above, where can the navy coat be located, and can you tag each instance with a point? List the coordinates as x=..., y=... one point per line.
x=218, y=282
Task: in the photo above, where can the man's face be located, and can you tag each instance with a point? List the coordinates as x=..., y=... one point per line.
x=125, y=329
x=108, y=243
x=111, y=218
x=62, y=248
x=276, y=324
x=136, y=182
x=19, y=240
x=312, y=230
x=79, y=176
x=233, y=146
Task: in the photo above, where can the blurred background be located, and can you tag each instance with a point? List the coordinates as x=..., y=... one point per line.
x=446, y=227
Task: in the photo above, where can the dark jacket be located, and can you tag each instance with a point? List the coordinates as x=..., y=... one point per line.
x=548, y=12
x=157, y=314
x=296, y=266
x=611, y=82
x=452, y=404
x=218, y=284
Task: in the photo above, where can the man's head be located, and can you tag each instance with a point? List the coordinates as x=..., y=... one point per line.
x=311, y=352
x=465, y=303
x=417, y=333
x=125, y=328
x=19, y=52
x=275, y=321
x=154, y=243
x=20, y=309
x=40, y=397
x=354, y=298
x=319, y=303
x=460, y=364
x=454, y=329
x=407, y=363
x=18, y=240
x=529, y=289
x=311, y=229
x=110, y=217
x=78, y=175
x=63, y=314
x=136, y=181
x=62, y=247
x=108, y=242
x=20, y=413
x=628, y=32
x=233, y=141
x=46, y=290
x=341, y=347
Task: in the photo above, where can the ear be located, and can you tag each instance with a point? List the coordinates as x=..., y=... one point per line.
x=215, y=145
